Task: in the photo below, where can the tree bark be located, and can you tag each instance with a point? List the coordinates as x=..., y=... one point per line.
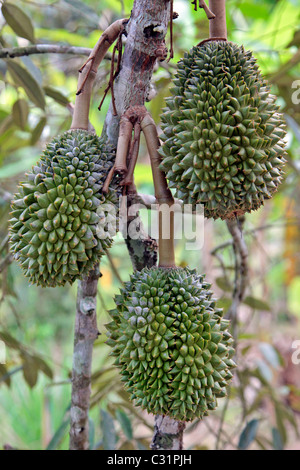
x=86, y=332
x=217, y=25
x=168, y=434
x=145, y=44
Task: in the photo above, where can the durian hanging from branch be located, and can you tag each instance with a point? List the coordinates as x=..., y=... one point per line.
x=223, y=135
x=170, y=341
x=56, y=229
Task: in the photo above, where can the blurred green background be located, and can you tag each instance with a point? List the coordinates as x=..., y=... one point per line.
x=263, y=409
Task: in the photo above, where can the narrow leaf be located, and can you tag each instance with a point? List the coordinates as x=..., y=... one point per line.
x=23, y=78
x=125, y=423
x=37, y=131
x=108, y=430
x=56, y=95
x=277, y=441
x=43, y=366
x=224, y=284
x=20, y=113
x=257, y=304
x=19, y=21
x=30, y=370
x=248, y=434
x=59, y=435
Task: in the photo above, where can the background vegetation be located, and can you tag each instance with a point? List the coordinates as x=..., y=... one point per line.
x=36, y=324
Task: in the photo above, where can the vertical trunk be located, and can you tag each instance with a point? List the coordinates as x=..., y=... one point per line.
x=145, y=44
x=86, y=333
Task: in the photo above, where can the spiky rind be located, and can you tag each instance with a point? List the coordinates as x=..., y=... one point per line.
x=222, y=133
x=56, y=213
x=171, y=343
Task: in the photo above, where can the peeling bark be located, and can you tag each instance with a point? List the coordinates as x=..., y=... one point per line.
x=168, y=434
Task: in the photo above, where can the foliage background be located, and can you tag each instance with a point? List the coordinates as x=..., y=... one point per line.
x=36, y=324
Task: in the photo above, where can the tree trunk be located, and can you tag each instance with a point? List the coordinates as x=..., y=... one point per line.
x=86, y=333
x=145, y=44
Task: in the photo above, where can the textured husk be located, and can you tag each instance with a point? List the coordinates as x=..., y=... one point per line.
x=56, y=213
x=222, y=133
x=171, y=343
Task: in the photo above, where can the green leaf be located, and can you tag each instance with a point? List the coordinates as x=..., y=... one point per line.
x=56, y=95
x=19, y=21
x=224, y=303
x=224, y=284
x=248, y=434
x=10, y=341
x=108, y=430
x=264, y=371
x=23, y=78
x=91, y=433
x=37, y=131
x=257, y=303
x=20, y=113
x=125, y=423
x=43, y=366
x=83, y=9
x=280, y=417
x=270, y=354
x=59, y=435
x=4, y=377
x=30, y=370
x=277, y=441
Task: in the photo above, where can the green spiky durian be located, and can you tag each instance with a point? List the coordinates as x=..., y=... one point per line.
x=222, y=133
x=55, y=229
x=171, y=343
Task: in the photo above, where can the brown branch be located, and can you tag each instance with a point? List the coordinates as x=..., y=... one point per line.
x=87, y=74
x=146, y=31
x=133, y=155
x=86, y=333
x=113, y=74
x=163, y=195
x=171, y=55
x=210, y=15
x=13, y=52
x=124, y=140
x=235, y=228
x=217, y=25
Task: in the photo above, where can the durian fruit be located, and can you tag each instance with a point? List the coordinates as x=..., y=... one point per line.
x=171, y=343
x=56, y=213
x=222, y=133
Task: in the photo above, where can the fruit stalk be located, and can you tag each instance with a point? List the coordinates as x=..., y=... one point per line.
x=217, y=25
x=163, y=196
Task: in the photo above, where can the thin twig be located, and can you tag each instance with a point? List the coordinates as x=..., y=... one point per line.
x=235, y=228
x=11, y=53
x=113, y=267
x=210, y=15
